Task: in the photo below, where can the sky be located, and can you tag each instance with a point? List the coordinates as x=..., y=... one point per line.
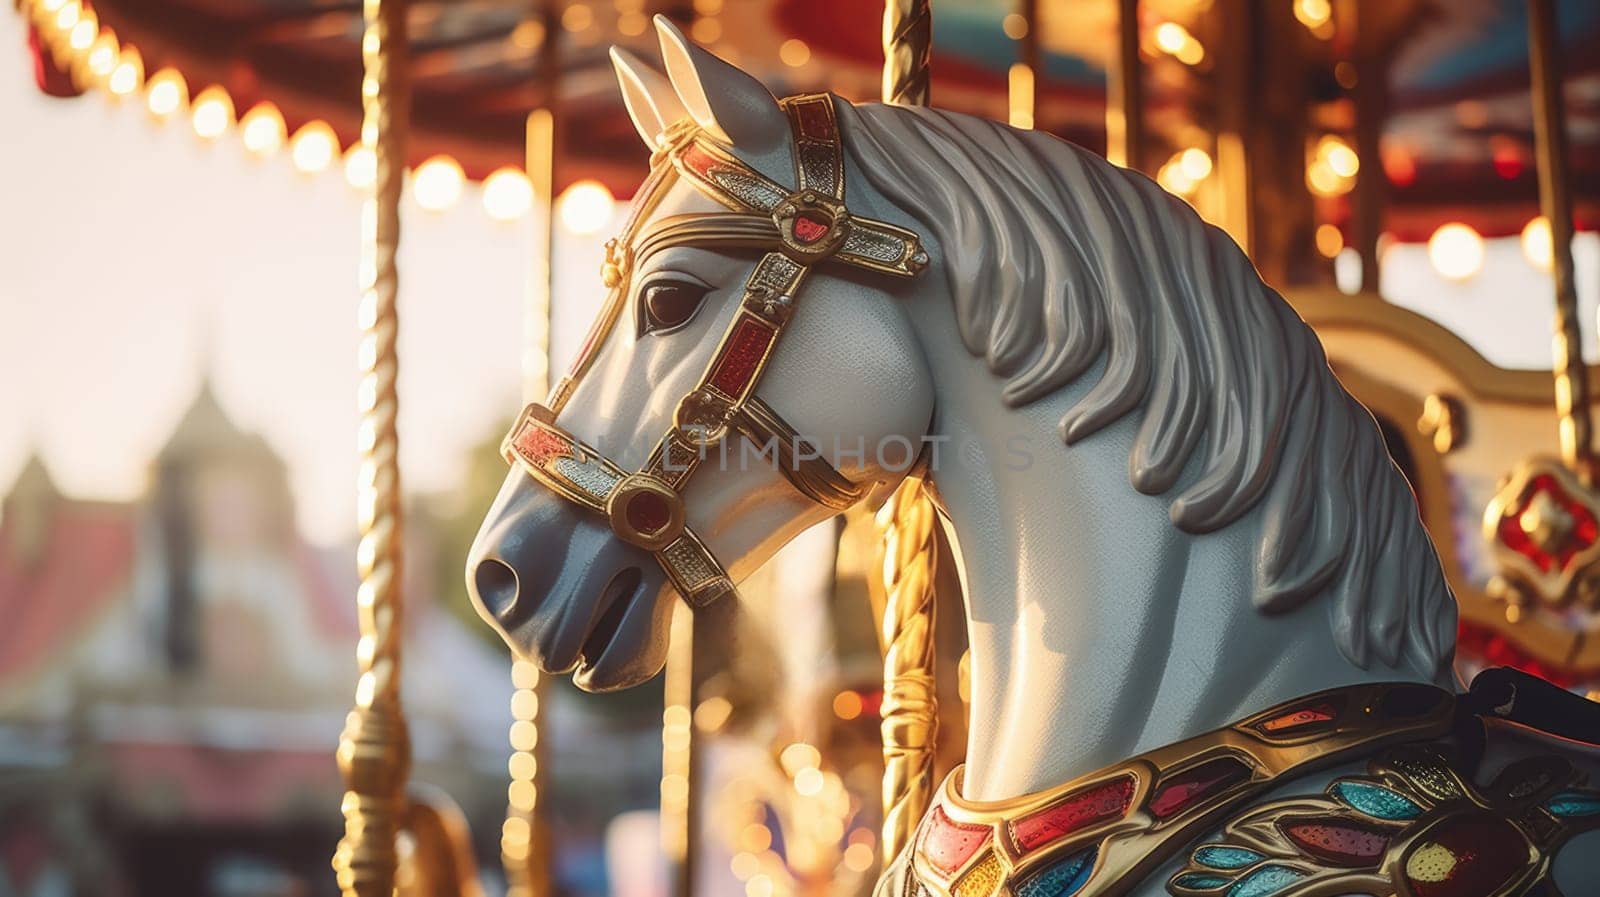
x=137, y=259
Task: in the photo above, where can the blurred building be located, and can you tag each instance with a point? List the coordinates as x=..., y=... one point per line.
x=175, y=671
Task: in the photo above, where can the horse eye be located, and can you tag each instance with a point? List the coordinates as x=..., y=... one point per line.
x=671, y=303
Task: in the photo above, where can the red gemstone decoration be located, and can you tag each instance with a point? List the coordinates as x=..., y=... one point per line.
x=1466, y=857
x=1338, y=841
x=1304, y=716
x=1585, y=530
x=743, y=354
x=1098, y=804
x=647, y=512
x=815, y=124
x=540, y=446
x=698, y=160
x=947, y=844
x=809, y=230
x=1188, y=788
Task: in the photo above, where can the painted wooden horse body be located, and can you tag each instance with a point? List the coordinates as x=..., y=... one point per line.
x=1034, y=328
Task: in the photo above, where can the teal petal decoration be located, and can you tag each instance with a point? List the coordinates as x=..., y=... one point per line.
x=1222, y=856
x=1061, y=880
x=1266, y=881
x=1568, y=804
x=1200, y=881
x=1375, y=800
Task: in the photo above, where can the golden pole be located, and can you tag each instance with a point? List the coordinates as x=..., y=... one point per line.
x=524, y=839
x=677, y=754
x=1555, y=201
x=907, y=43
x=1025, y=72
x=910, y=699
x=374, y=750
x=910, y=705
x=1125, y=96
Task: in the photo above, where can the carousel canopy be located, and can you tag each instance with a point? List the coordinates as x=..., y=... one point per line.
x=1457, y=142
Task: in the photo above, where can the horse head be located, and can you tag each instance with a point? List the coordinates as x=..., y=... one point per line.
x=690, y=443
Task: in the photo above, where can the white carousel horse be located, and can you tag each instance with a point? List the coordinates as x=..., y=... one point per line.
x=1076, y=328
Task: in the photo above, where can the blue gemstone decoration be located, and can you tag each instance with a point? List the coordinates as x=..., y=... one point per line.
x=1062, y=879
x=1200, y=881
x=1568, y=804
x=1265, y=881
x=1375, y=800
x=1218, y=856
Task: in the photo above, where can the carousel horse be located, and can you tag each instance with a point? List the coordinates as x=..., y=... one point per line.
x=1210, y=640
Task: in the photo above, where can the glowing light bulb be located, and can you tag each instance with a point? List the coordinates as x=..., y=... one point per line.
x=794, y=52
x=212, y=113
x=314, y=147
x=360, y=166
x=103, y=55
x=262, y=129
x=1329, y=240
x=67, y=15
x=1456, y=251
x=165, y=93
x=1538, y=246
x=1313, y=14
x=585, y=207
x=128, y=74
x=437, y=183
x=507, y=194
x=84, y=33
x=1175, y=40
x=1195, y=162
x=1339, y=156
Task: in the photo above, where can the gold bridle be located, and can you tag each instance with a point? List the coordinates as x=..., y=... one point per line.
x=798, y=229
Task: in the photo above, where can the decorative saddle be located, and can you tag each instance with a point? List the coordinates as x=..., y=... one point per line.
x=1414, y=825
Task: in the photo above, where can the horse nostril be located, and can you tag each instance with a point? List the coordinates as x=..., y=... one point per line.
x=497, y=585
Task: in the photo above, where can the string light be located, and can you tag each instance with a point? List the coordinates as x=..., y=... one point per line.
x=1314, y=14
x=585, y=207
x=794, y=52
x=1456, y=251
x=103, y=55
x=1015, y=25
x=262, y=129
x=1538, y=246
x=847, y=705
x=1332, y=168
x=577, y=17
x=1175, y=40
x=165, y=93
x=314, y=147
x=83, y=33
x=213, y=112
x=1195, y=162
x=437, y=183
x=360, y=166
x=1329, y=240
x=507, y=194
x=128, y=74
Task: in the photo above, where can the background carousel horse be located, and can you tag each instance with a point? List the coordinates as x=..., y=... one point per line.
x=1265, y=579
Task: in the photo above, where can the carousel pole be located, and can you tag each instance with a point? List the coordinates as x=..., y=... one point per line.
x=374, y=750
x=1125, y=95
x=524, y=838
x=1555, y=202
x=906, y=522
x=1024, y=74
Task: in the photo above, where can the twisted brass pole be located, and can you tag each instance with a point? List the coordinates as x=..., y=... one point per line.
x=1555, y=201
x=907, y=42
x=910, y=704
x=374, y=750
x=910, y=700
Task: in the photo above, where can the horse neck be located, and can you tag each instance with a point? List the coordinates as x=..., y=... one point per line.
x=1098, y=630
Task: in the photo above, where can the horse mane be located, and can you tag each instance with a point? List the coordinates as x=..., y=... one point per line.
x=1057, y=259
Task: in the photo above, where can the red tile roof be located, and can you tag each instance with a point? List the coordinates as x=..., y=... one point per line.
x=86, y=563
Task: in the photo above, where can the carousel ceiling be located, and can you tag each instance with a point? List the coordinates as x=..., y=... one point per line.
x=1458, y=142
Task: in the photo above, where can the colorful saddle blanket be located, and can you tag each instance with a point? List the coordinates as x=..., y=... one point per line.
x=1413, y=826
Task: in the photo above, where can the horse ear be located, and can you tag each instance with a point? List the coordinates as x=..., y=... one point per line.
x=729, y=104
x=651, y=101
